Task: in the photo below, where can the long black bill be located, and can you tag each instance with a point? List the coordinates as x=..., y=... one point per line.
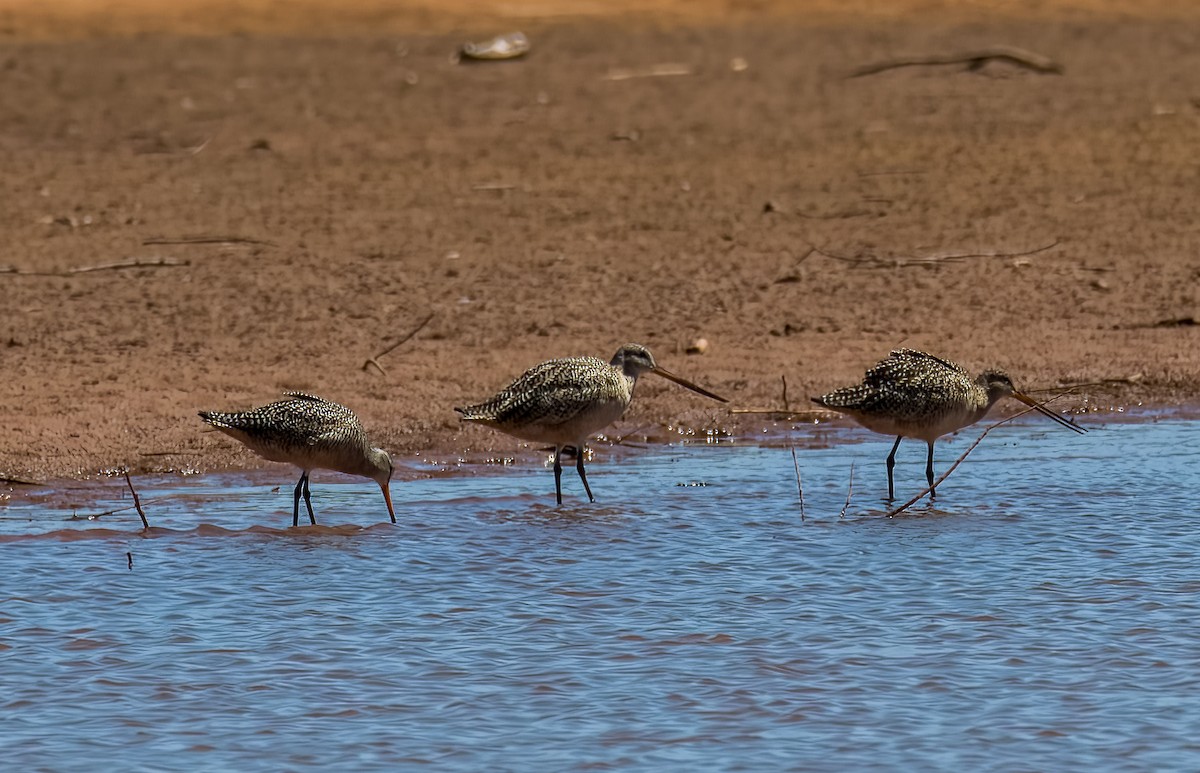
x=683, y=382
x=1042, y=409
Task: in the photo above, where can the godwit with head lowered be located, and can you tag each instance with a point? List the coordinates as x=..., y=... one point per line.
x=563, y=402
x=311, y=433
x=914, y=394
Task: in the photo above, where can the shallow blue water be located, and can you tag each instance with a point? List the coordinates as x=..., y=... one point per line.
x=1043, y=617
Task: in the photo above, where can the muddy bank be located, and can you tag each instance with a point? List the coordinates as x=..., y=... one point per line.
x=1044, y=223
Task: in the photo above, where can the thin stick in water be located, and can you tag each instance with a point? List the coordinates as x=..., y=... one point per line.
x=799, y=485
x=849, y=492
x=954, y=466
x=136, y=501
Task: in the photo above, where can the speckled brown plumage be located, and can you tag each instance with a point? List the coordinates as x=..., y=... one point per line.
x=564, y=401
x=311, y=433
x=915, y=394
x=556, y=394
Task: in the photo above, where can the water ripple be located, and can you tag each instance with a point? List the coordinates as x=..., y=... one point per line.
x=1044, y=609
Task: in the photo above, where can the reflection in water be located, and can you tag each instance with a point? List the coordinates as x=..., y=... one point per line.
x=1044, y=610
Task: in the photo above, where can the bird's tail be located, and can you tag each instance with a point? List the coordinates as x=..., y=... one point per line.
x=470, y=413
x=841, y=399
x=216, y=418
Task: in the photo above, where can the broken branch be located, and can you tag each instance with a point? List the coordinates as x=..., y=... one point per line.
x=114, y=511
x=653, y=71
x=849, y=492
x=960, y=459
x=799, y=485
x=207, y=240
x=620, y=439
x=8, y=480
x=375, y=360
x=901, y=261
x=780, y=414
x=156, y=263
x=974, y=60
x=137, y=502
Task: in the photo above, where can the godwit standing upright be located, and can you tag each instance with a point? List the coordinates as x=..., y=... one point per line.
x=563, y=402
x=914, y=394
x=311, y=433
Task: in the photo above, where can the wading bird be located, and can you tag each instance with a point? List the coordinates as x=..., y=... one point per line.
x=914, y=394
x=311, y=433
x=563, y=402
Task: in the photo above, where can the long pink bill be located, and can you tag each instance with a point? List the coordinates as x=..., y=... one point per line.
x=387, y=497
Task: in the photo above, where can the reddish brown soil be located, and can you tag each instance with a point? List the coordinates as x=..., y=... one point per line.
x=539, y=209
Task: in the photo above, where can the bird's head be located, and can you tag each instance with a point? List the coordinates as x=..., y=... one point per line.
x=381, y=472
x=998, y=385
x=634, y=359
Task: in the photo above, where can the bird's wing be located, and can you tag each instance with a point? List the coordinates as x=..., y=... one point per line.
x=305, y=396
x=552, y=392
x=915, y=358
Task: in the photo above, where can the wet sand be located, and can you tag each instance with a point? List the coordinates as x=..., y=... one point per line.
x=555, y=206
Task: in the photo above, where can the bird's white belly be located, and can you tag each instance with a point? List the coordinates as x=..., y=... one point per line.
x=928, y=431
x=577, y=429
x=304, y=456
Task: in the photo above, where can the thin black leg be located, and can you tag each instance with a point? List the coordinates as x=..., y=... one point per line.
x=296, y=499
x=582, y=474
x=308, y=501
x=929, y=472
x=558, y=473
x=891, y=464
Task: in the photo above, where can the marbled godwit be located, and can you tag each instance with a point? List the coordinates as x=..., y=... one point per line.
x=563, y=402
x=914, y=394
x=311, y=433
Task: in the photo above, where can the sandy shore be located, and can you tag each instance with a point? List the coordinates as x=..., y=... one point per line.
x=350, y=180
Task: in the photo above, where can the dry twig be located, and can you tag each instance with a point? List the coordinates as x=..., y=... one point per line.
x=844, y=214
x=785, y=413
x=901, y=261
x=958, y=461
x=98, y=516
x=1063, y=389
x=137, y=502
x=203, y=239
x=849, y=492
x=375, y=360
x=137, y=263
x=892, y=173
x=974, y=60
x=799, y=485
x=780, y=414
x=653, y=71
x=8, y=480
x=624, y=436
